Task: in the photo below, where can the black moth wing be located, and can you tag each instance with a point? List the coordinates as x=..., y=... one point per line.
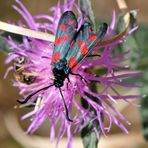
x=65, y=33
x=84, y=42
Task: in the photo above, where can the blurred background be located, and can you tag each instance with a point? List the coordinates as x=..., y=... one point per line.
x=12, y=129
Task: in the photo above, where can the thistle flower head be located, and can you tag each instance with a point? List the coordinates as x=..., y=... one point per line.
x=32, y=68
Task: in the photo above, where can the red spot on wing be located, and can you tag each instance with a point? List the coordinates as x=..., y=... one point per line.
x=72, y=43
x=80, y=43
x=60, y=40
x=72, y=62
x=93, y=37
x=84, y=49
x=74, y=67
x=70, y=22
x=63, y=27
x=64, y=38
x=55, y=57
x=57, y=41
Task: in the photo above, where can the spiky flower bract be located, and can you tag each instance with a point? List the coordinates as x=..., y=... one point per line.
x=36, y=73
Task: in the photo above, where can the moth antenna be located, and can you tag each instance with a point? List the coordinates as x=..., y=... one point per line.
x=32, y=94
x=66, y=109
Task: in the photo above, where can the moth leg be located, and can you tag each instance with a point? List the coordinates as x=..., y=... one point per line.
x=93, y=55
x=45, y=57
x=76, y=74
x=68, y=81
x=33, y=93
x=66, y=109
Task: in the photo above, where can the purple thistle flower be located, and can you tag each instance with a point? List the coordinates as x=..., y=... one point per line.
x=36, y=73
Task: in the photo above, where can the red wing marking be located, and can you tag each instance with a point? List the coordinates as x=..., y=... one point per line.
x=74, y=67
x=60, y=40
x=63, y=27
x=64, y=38
x=84, y=49
x=72, y=43
x=72, y=62
x=57, y=41
x=56, y=57
x=70, y=22
x=93, y=37
x=80, y=44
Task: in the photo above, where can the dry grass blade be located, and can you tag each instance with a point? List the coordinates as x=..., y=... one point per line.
x=122, y=4
x=49, y=37
x=26, y=32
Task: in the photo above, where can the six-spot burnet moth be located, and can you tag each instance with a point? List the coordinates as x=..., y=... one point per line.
x=70, y=49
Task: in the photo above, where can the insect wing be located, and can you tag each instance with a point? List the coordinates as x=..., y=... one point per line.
x=84, y=42
x=65, y=33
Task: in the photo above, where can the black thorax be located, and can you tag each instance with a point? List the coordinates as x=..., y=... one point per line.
x=60, y=71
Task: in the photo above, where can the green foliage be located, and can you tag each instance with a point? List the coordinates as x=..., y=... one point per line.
x=4, y=46
x=138, y=45
x=131, y=43
x=3, y=43
x=141, y=39
x=144, y=116
x=88, y=136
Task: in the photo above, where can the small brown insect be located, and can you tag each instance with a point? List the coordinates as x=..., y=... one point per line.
x=19, y=71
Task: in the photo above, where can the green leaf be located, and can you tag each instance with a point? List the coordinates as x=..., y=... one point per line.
x=141, y=39
x=4, y=46
x=138, y=45
x=89, y=137
x=144, y=116
x=144, y=102
x=3, y=43
x=131, y=43
x=86, y=8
